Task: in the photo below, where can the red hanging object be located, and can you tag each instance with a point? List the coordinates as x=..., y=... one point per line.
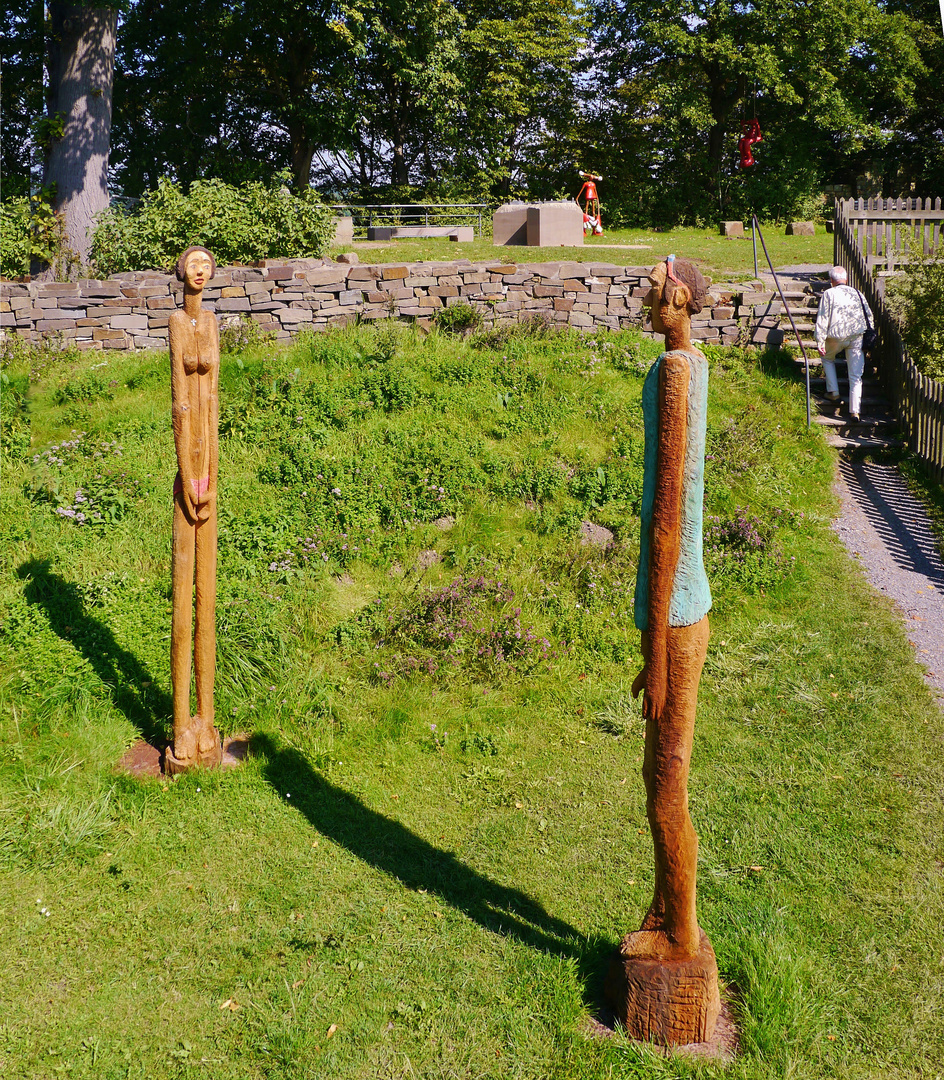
x=750, y=134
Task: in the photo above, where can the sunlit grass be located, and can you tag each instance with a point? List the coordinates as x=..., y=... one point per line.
x=724, y=258
x=424, y=876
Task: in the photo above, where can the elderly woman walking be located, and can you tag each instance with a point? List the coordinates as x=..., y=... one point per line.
x=842, y=319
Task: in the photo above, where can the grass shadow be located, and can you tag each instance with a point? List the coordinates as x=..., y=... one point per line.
x=132, y=688
x=390, y=847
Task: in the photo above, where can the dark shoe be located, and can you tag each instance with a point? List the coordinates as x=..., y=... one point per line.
x=854, y=417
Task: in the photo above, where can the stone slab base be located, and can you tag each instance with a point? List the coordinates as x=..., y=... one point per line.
x=210, y=759
x=672, y=1003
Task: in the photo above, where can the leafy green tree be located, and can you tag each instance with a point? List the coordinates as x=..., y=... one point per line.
x=914, y=155
x=671, y=86
x=238, y=90
x=21, y=93
x=517, y=68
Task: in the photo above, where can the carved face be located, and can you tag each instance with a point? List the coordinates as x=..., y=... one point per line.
x=667, y=301
x=653, y=298
x=198, y=270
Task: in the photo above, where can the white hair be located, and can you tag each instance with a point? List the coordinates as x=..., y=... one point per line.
x=838, y=275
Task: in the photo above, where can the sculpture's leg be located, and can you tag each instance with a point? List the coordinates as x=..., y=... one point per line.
x=185, y=743
x=204, y=641
x=666, y=768
x=663, y=985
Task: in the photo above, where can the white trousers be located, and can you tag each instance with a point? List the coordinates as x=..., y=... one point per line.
x=855, y=362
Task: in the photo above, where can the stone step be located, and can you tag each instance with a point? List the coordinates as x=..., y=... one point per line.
x=852, y=445
x=866, y=426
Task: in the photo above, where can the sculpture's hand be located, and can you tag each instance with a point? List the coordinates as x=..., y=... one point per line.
x=653, y=700
x=653, y=677
x=189, y=504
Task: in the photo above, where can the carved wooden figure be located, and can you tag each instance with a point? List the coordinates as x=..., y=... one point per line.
x=663, y=985
x=194, y=380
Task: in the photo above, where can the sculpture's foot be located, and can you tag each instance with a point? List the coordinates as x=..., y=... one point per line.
x=194, y=751
x=657, y=998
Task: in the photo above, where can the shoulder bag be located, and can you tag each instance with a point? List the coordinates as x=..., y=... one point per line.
x=870, y=337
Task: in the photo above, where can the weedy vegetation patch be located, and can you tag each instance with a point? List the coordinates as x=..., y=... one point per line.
x=440, y=834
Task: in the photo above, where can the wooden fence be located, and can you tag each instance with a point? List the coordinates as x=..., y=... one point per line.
x=869, y=233
x=883, y=229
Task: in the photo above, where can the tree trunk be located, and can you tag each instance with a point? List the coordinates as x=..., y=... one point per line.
x=303, y=153
x=81, y=74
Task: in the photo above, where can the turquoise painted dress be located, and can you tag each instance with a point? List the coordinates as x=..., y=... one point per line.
x=691, y=594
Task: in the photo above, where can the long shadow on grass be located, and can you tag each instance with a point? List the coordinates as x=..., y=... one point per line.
x=131, y=686
x=389, y=846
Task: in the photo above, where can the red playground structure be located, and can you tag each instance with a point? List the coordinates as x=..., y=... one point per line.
x=592, y=221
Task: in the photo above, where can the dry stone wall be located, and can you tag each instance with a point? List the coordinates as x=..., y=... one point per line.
x=131, y=311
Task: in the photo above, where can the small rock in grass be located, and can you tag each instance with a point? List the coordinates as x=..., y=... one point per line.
x=595, y=535
x=426, y=559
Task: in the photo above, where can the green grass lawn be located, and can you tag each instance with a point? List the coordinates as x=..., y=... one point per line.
x=441, y=834
x=723, y=258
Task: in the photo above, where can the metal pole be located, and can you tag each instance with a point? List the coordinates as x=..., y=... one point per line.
x=755, y=224
x=754, y=242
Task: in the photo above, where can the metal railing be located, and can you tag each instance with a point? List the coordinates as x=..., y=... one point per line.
x=861, y=231
x=415, y=215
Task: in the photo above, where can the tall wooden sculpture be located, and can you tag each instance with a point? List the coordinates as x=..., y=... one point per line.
x=194, y=380
x=663, y=984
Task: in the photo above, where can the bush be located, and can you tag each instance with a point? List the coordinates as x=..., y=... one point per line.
x=917, y=300
x=40, y=235
x=239, y=224
x=14, y=238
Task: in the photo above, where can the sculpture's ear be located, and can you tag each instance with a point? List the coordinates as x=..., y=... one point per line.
x=679, y=296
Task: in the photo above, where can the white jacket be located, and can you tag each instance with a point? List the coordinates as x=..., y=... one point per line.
x=840, y=314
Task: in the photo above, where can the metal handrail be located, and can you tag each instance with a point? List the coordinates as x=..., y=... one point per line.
x=755, y=225
x=402, y=212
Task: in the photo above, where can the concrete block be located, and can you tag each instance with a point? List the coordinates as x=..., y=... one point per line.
x=510, y=224
x=801, y=228
x=557, y=224
x=344, y=231
x=732, y=228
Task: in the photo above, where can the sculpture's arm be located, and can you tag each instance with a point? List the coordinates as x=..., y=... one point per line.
x=180, y=418
x=208, y=500
x=664, y=541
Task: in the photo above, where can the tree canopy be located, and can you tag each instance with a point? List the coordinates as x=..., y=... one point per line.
x=492, y=98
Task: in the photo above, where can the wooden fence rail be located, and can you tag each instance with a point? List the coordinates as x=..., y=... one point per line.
x=883, y=229
x=867, y=232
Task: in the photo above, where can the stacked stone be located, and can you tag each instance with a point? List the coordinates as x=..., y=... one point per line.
x=131, y=311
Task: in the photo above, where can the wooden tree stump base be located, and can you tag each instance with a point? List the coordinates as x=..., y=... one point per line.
x=209, y=759
x=670, y=1002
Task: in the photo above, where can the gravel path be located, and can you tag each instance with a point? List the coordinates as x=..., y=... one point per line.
x=887, y=530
